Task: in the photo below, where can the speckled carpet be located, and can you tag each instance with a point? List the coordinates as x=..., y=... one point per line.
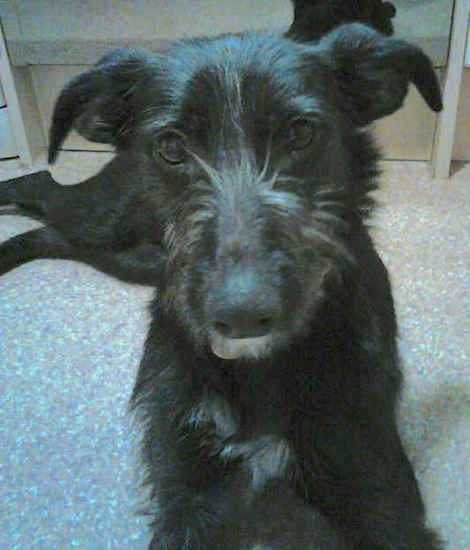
x=71, y=339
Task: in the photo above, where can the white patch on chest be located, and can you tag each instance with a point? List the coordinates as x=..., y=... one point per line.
x=213, y=409
x=266, y=456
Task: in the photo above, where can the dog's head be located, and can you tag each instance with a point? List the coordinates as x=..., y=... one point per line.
x=254, y=149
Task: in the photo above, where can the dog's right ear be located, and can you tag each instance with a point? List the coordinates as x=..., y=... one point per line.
x=100, y=103
x=371, y=73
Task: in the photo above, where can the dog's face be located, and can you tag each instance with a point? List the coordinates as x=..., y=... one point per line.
x=252, y=147
x=248, y=151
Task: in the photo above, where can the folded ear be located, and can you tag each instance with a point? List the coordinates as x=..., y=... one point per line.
x=372, y=72
x=99, y=103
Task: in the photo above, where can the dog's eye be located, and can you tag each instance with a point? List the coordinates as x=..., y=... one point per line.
x=171, y=147
x=300, y=134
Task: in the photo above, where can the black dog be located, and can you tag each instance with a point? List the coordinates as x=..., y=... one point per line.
x=240, y=189
x=314, y=18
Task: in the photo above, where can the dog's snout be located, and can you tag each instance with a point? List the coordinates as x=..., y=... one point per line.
x=246, y=307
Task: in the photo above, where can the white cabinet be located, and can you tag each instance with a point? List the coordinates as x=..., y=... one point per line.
x=21, y=140
x=7, y=139
x=8, y=147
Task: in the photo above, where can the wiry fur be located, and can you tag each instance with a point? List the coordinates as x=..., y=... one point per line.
x=270, y=375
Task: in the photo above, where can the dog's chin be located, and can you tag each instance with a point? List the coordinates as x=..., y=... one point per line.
x=240, y=348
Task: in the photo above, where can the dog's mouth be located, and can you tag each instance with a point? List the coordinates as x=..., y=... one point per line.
x=238, y=348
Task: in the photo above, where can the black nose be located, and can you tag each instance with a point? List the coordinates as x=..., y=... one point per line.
x=243, y=323
x=246, y=306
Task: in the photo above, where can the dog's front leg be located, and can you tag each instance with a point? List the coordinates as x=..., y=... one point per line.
x=95, y=212
x=34, y=192
x=370, y=493
x=90, y=222
x=44, y=242
x=182, y=472
x=276, y=520
x=142, y=264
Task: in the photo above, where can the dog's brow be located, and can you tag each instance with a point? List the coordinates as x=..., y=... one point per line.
x=154, y=120
x=306, y=104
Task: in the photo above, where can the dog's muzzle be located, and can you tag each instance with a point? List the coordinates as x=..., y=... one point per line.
x=242, y=312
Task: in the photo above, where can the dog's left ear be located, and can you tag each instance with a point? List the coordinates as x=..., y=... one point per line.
x=372, y=72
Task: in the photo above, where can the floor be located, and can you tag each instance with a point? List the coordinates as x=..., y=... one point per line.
x=71, y=338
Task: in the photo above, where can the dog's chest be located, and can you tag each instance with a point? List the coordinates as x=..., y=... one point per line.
x=265, y=455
